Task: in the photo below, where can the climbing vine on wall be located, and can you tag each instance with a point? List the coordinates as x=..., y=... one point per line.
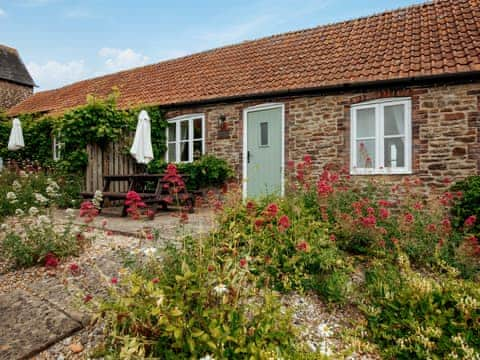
x=100, y=122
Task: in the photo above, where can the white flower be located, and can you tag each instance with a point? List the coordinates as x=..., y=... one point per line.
x=40, y=198
x=19, y=212
x=52, y=191
x=207, y=357
x=11, y=197
x=220, y=289
x=323, y=330
x=150, y=251
x=16, y=185
x=70, y=212
x=160, y=300
x=44, y=219
x=33, y=211
x=97, y=199
x=4, y=227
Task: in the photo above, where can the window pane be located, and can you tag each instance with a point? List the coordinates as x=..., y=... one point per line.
x=172, y=153
x=184, y=151
x=197, y=129
x=365, y=153
x=394, y=152
x=394, y=120
x=366, y=122
x=184, y=130
x=197, y=149
x=263, y=133
x=172, y=131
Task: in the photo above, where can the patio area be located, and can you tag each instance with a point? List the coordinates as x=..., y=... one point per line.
x=43, y=310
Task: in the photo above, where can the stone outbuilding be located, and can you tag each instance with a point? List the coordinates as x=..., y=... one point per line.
x=16, y=84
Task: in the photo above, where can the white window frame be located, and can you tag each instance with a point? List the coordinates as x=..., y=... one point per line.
x=177, y=120
x=57, y=148
x=380, y=168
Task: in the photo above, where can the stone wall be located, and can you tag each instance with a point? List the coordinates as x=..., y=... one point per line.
x=12, y=93
x=445, y=129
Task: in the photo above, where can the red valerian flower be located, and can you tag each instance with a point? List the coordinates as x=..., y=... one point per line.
x=333, y=237
x=109, y=232
x=114, y=280
x=431, y=227
x=283, y=223
x=74, y=268
x=307, y=159
x=447, y=225
x=243, y=262
x=290, y=164
x=251, y=206
x=470, y=221
x=418, y=206
x=258, y=223
x=409, y=218
x=370, y=211
x=51, y=260
x=88, y=210
x=272, y=210
x=183, y=218
x=87, y=298
x=441, y=242
x=302, y=246
x=369, y=221
x=155, y=280
x=210, y=268
x=384, y=213
x=324, y=188
x=382, y=231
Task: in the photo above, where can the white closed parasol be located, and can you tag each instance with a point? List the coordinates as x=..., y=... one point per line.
x=15, y=141
x=141, y=149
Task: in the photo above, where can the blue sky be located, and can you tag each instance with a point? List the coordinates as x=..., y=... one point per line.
x=65, y=41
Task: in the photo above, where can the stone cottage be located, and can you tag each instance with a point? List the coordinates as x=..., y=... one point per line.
x=389, y=95
x=16, y=84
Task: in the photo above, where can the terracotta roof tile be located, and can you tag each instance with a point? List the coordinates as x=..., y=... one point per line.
x=435, y=38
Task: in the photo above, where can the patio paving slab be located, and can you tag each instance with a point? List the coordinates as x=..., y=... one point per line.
x=30, y=325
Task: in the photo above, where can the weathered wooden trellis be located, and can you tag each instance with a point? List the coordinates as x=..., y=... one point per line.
x=112, y=159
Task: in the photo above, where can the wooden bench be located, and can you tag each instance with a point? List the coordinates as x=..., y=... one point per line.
x=159, y=194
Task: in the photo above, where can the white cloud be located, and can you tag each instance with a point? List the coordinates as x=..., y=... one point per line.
x=55, y=74
x=121, y=59
x=2, y=12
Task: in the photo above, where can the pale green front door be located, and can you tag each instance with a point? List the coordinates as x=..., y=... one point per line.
x=264, y=151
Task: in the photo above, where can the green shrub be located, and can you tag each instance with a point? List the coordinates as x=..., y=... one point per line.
x=22, y=189
x=411, y=315
x=197, y=301
x=33, y=236
x=468, y=204
x=208, y=171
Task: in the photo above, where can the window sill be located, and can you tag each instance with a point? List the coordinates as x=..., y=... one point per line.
x=387, y=171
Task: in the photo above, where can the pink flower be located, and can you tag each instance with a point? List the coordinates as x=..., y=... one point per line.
x=418, y=206
x=333, y=237
x=251, y=206
x=258, y=223
x=109, y=232
x=324, y=188
x=369, y=221
x=149, y=236
x=74, y=268
x=384, y=213
x=290, y=164
x=51, y=260
x=408, y=217
x=114, y=280
x=87, y=298
x=431, y=227
x=272, y=210
x=447, y=225
x=243, y=262
x=283, y=223
x=155, y=280
x=307, y=159
x=302, y=246
x=470, y=221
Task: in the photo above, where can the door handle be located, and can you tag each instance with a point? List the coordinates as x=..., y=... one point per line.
x=248, y=156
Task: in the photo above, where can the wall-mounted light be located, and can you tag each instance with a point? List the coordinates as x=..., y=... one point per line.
x=222, y=122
